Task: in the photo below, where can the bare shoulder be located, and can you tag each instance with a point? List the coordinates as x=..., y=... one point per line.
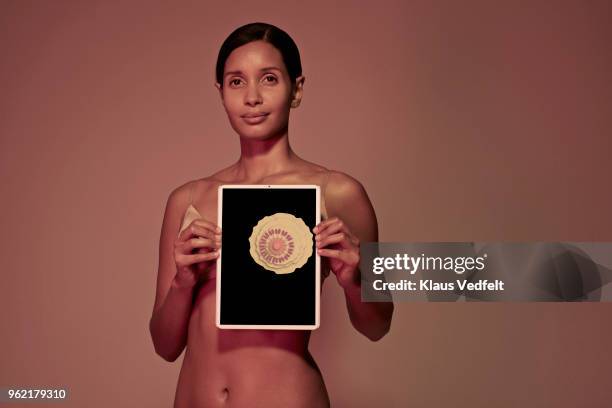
x=179, y=196
x=347, y=199
x=342, y=188
x=197, y=187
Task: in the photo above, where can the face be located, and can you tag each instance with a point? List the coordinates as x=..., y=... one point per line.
x=257, y=92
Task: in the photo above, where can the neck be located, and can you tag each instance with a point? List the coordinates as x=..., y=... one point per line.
x=261, y=158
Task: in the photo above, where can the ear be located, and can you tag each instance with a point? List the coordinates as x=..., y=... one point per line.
x=298, y=91
x=218, y=86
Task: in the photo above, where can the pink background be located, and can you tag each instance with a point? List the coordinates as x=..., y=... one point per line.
x=471, y=120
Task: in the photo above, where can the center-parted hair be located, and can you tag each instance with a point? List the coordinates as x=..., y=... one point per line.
x=261, y=32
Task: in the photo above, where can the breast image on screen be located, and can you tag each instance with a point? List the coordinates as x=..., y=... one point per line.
x=268, y=257
x=281, y=243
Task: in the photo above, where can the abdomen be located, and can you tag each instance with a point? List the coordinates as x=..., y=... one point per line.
x=245, y=368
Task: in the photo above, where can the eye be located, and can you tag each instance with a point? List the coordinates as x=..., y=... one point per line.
x=270, y=79
x=235, y=82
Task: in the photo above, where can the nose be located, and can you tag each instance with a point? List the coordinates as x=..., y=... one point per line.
x=252, y=96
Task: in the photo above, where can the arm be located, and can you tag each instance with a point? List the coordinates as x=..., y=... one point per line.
x=352, y=220
x=173, y=298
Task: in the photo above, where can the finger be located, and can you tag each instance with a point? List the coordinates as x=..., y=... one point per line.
x=189, y=246
x=202, y=243
x=339, y=238
x=332, y=253
x=324, y=224
x=208, y=256
x=206, y=224
x=186, y=260
x=333, y=228
x=195, y=230
x=345, y=256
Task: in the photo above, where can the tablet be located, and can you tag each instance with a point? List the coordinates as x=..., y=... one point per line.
x=268, y=270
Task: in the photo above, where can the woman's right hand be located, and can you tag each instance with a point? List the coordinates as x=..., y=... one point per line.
x=195, y=250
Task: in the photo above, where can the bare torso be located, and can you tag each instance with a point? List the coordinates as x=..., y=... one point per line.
x=246, y=368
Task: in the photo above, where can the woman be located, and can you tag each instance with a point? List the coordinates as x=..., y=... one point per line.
x=259, y=78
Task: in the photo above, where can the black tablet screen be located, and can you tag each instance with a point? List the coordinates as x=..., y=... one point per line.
x=251, y=294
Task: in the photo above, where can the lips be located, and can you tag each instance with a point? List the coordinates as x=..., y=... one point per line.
x=255, y=117
x=254, y=114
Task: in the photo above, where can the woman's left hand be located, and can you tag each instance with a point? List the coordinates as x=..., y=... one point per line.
x=334, y=240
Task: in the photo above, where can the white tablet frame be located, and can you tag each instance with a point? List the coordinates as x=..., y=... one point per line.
x=317, y=260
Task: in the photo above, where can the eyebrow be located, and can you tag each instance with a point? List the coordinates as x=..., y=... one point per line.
x=261, y=70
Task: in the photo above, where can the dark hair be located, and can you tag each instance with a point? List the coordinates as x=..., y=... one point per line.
x=265, y=32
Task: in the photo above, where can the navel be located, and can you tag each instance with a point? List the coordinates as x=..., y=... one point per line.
x=225, y=394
